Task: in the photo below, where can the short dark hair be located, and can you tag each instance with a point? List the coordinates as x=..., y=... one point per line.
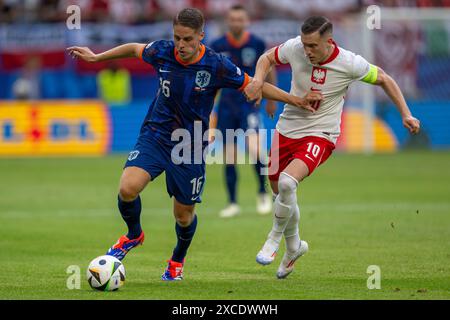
x=191, y=18
x=238, y=7
x=317, y=23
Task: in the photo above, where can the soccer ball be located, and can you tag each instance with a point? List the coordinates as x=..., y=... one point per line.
x=106, y=273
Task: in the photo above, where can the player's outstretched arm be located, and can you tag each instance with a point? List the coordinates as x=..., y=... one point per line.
x=392, y=89
x=266, y=61
x=271, y=106
x=272, y=92
x=128, y=50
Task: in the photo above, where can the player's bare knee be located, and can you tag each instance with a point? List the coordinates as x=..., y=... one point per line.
x=128, y=192
x=185, y=218
x=184, y=214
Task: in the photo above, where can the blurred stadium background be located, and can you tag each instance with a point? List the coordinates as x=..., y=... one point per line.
x=52, y=104
x=390, y=208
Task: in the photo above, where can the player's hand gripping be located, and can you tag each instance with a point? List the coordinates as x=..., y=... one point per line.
x=83, y=53
x=253, y=91
x=412, y=124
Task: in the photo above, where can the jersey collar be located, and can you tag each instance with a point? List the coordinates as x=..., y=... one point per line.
x=199, y=57
x=238, y=43
x=333, y=55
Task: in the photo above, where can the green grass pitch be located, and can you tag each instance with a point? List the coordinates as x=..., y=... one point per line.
x=389, y=210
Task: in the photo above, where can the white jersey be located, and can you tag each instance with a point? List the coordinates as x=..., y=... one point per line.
x=332, y=78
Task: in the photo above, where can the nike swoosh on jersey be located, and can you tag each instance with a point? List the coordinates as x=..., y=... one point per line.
x=307, y=155
x=161, y=70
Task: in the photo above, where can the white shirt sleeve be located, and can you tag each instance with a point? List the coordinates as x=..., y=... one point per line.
x=284, y=52
x=360, y=67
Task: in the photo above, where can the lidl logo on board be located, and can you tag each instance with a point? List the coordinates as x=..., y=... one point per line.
x=58, y=130
x=54, y=128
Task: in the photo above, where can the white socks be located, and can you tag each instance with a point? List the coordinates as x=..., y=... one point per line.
x=291, y=234
x=285, y=207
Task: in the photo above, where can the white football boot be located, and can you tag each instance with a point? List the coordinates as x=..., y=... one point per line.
x=231, y=210
x=288, y=261
x=264, y=203
x=268, y=252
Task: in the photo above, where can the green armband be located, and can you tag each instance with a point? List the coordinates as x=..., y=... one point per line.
x=372, y=75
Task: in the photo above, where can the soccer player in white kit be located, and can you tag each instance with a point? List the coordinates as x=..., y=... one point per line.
x=306, y=137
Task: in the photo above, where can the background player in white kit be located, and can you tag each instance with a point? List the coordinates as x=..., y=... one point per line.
x=305, y=139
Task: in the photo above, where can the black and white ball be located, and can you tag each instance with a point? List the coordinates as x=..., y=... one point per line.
x=106, y=273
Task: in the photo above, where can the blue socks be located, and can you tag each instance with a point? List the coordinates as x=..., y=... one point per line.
x=184, y=236
x=131, y=213
x=261, y=178
x=231, y=180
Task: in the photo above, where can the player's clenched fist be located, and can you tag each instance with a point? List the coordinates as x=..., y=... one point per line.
x=271, y=108
x=83, y=53
x=307, y=101
x=313, y=96
x=412, y=124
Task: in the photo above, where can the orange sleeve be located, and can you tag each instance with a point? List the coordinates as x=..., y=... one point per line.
x=246, y=81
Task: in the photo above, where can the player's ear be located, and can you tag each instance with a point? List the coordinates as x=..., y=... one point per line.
x=201, y=35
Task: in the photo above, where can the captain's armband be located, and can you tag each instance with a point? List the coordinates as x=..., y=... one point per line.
x=372, y=75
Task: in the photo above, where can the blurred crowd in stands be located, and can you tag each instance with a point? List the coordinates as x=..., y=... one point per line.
x=28, y=74
x=147, y=11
